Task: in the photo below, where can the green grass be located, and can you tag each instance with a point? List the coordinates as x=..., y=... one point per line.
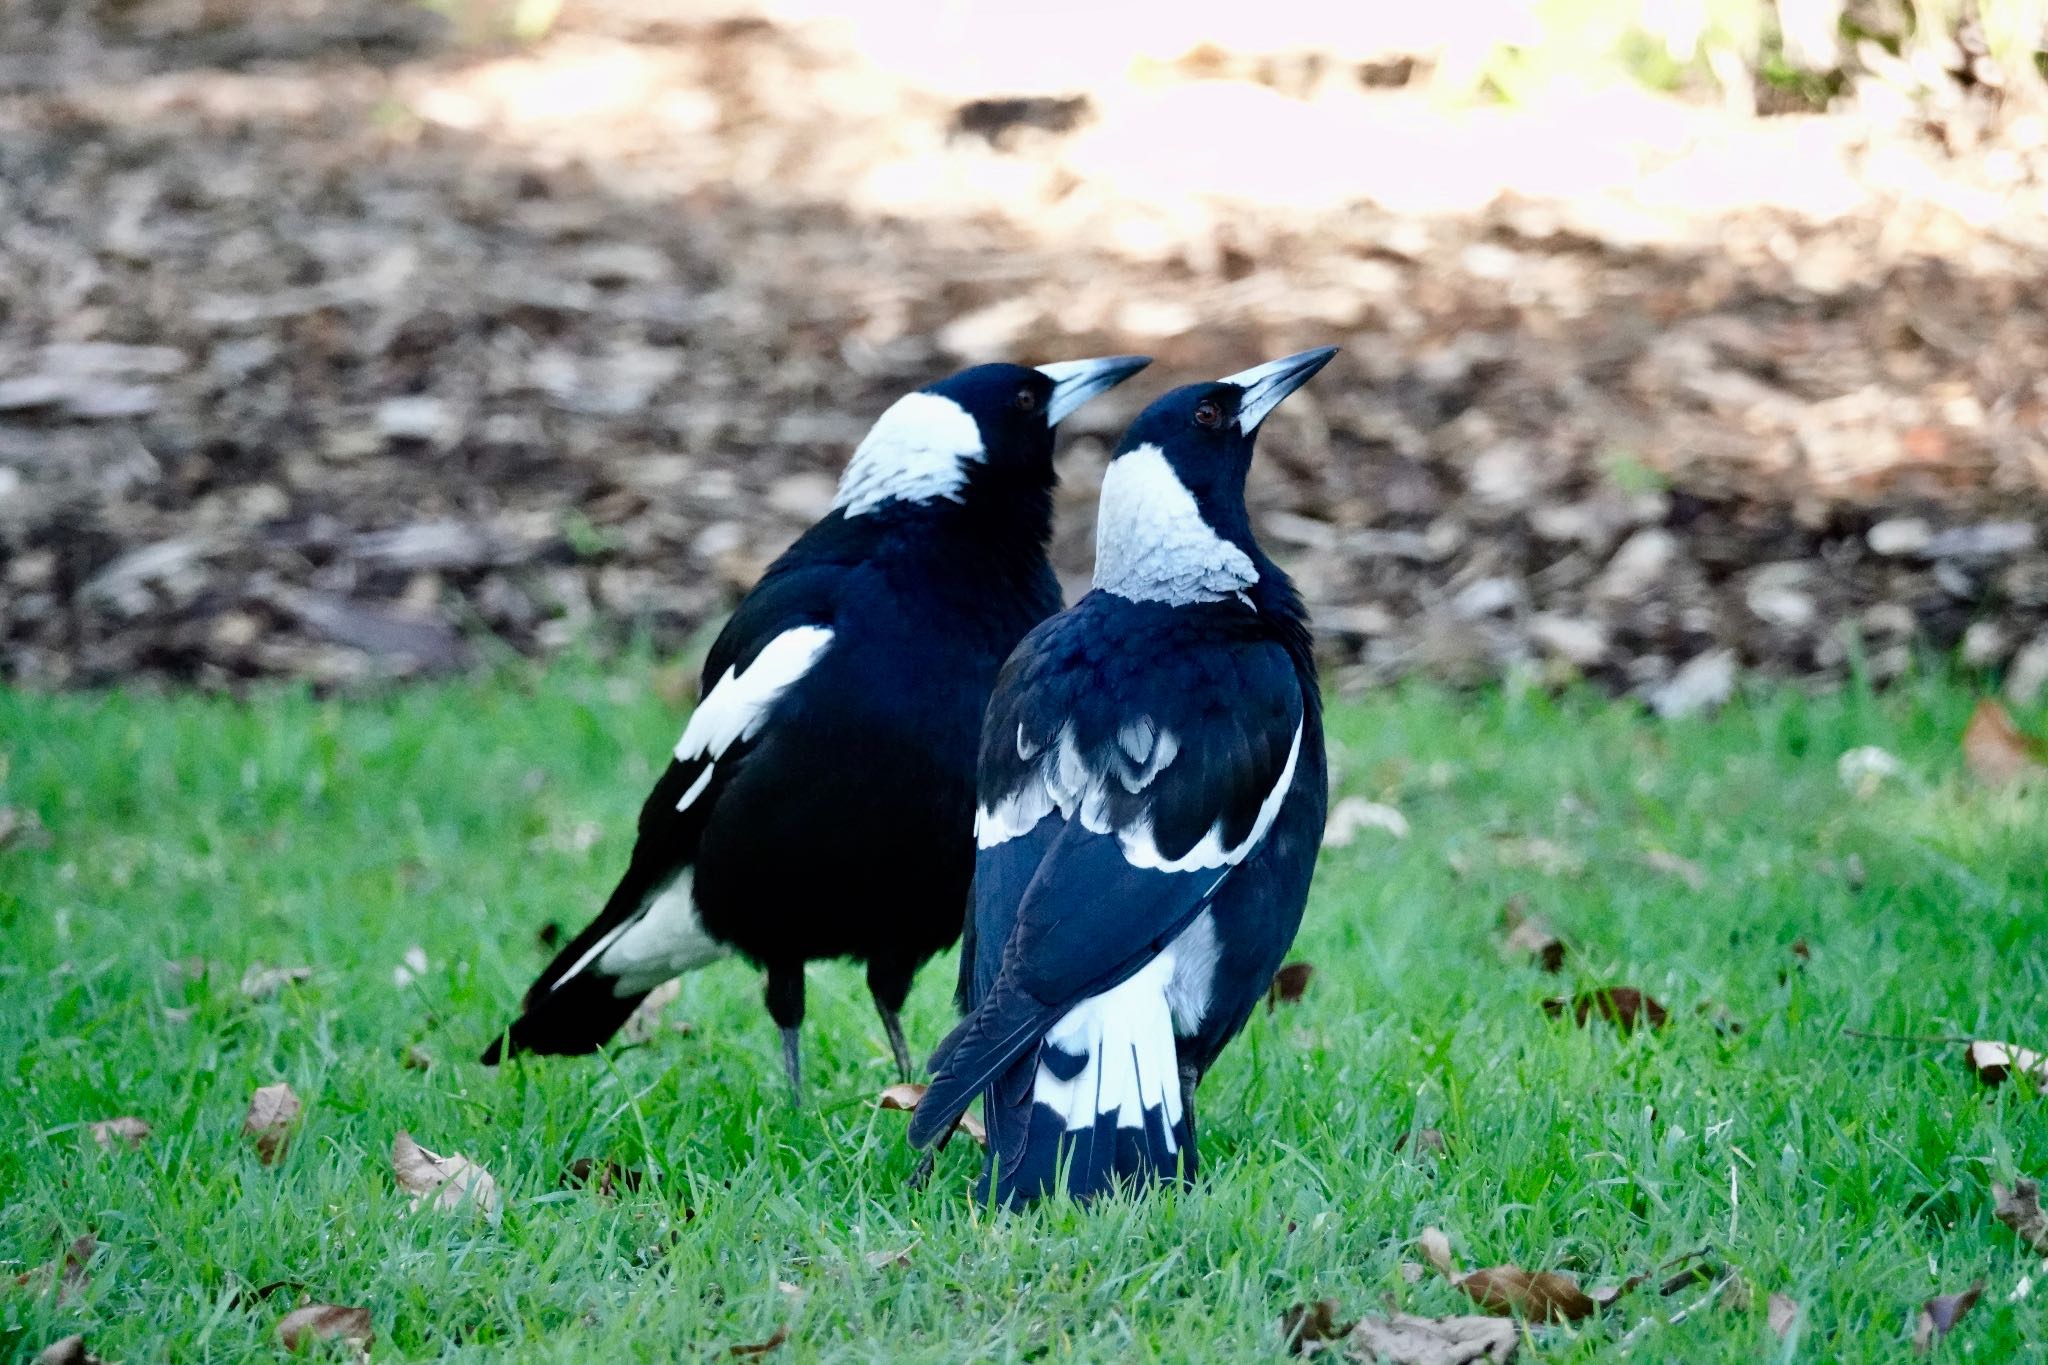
x=1852, y=1175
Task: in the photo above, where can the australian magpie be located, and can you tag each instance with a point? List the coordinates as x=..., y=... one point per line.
x=1151, y=796
x=821, y=800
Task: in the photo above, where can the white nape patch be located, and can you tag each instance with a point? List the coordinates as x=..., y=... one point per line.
x=739, y=702
x=1140, y=849
x=1151, y=542
x=916, y=451
x=666, y=938
x=1126, y=1034
x=1195, y=954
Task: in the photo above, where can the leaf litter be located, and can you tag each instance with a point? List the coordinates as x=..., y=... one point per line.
x=903, y=1097
x=1622, y=1006
x=126, y=1131
x=1997, y=753
x=1289, y=984
x=65, y=1275
x=326, y=1322
x=444, y=1182
x=2019, y=1208
x=273, y=1109
x=68, y=1351
x=1940, y=1314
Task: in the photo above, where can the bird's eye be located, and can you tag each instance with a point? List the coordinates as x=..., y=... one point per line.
x=1208, y=414
x=1027, y=401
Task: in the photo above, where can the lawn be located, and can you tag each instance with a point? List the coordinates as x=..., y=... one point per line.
x=1685, y=859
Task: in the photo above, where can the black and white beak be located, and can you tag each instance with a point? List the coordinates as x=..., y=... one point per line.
x=1265, y=385
x=1074, y=382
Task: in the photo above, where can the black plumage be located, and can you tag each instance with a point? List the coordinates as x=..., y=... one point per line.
x=820, y=801
x=1152, y=793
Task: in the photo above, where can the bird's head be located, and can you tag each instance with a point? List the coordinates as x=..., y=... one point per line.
x=990, y=422
x=1172, y=525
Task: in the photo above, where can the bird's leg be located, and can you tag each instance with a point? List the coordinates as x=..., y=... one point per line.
x=1189, y=1079
x=890, y=985
x=786, y=1008
x=923, y=1174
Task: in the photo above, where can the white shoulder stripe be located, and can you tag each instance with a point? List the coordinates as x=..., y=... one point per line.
x=1141, y=850
x=738, y=704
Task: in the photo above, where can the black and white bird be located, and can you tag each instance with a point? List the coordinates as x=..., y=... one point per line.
x=821, y=800
x=1151, y=793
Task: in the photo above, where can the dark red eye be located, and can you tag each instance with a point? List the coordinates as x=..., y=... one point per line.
x=1208, y=414
x=1027, y=401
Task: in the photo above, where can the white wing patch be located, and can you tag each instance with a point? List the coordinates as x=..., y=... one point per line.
x=667, y=938
x=916, y=451
x=1064, y=782
x=1152, y=543
x=738, y=704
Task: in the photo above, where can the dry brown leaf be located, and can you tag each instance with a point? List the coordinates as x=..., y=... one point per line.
x=1940, y=1314
x=1428, y=1140
x=903, y=1097
x=261, y=982
x=1404, y=1339
x=1547, y=856
x=1288, y=984
x=883, y=1260
x=66, y=1274
x=1543, y=1295
x=127, y=1130
x=416, y=1058
x=1685, y=869
x=1353, y=814
x=1995, y=751
x=1783, y=1314
x=326, y=1322
x=608, y=1177
x=645, y=1021
x=1307, y=1323
x=1533, y=939
x=448, y=1181
x=1996, y=1063
x=2019, y=1208
x=762, y=1348
x=1622, y=1006
x=70, y=1351
x=273, y=1109
x=1436, y=1249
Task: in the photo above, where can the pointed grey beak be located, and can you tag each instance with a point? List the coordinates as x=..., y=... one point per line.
x=1265, y=385
x=1074, y=382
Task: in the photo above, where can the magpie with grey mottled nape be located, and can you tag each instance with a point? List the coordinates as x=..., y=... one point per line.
x=1151, y=798
x=821, y=800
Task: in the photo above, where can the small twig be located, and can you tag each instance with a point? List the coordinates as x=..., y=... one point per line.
x=1904, y=1037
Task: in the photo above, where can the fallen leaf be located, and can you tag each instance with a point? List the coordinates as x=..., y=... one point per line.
x=1531, y=937
x=1995, y=751
x=882, y=1260
x=326, y=1322
x=608, y=1177
x=1685, y=869
x=272, y=1111
x=1436, y=1249
x=449, y=1181
x=2019, y=1208
x=1783, y=1314
x=126, y=1129
x=1404, y=1339
x=903, y=1097
x=66, y=1274
x=762, y=1348
x=1288, y=984
x=1428, y=1140
x=70, y=1351
x=261, y=982
x=416, y=1058
x=1720, y=1016
x=1547, y=856
x=1940, y=1314
x=1353, y=814
x=1543, y=1294
x=1305, y=1323
x=1622, y=1006
x=645, y=1021
x=1995, y=1063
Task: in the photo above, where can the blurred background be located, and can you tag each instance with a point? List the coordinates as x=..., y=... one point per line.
x=343, y=340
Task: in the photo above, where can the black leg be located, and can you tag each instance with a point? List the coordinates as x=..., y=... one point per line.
x=923, y=1173
x=786, y=1008
x=1189, y=1079
x=890, y=985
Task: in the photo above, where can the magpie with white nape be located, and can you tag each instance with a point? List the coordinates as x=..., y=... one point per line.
x=1151, y=798
x=820, y=803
